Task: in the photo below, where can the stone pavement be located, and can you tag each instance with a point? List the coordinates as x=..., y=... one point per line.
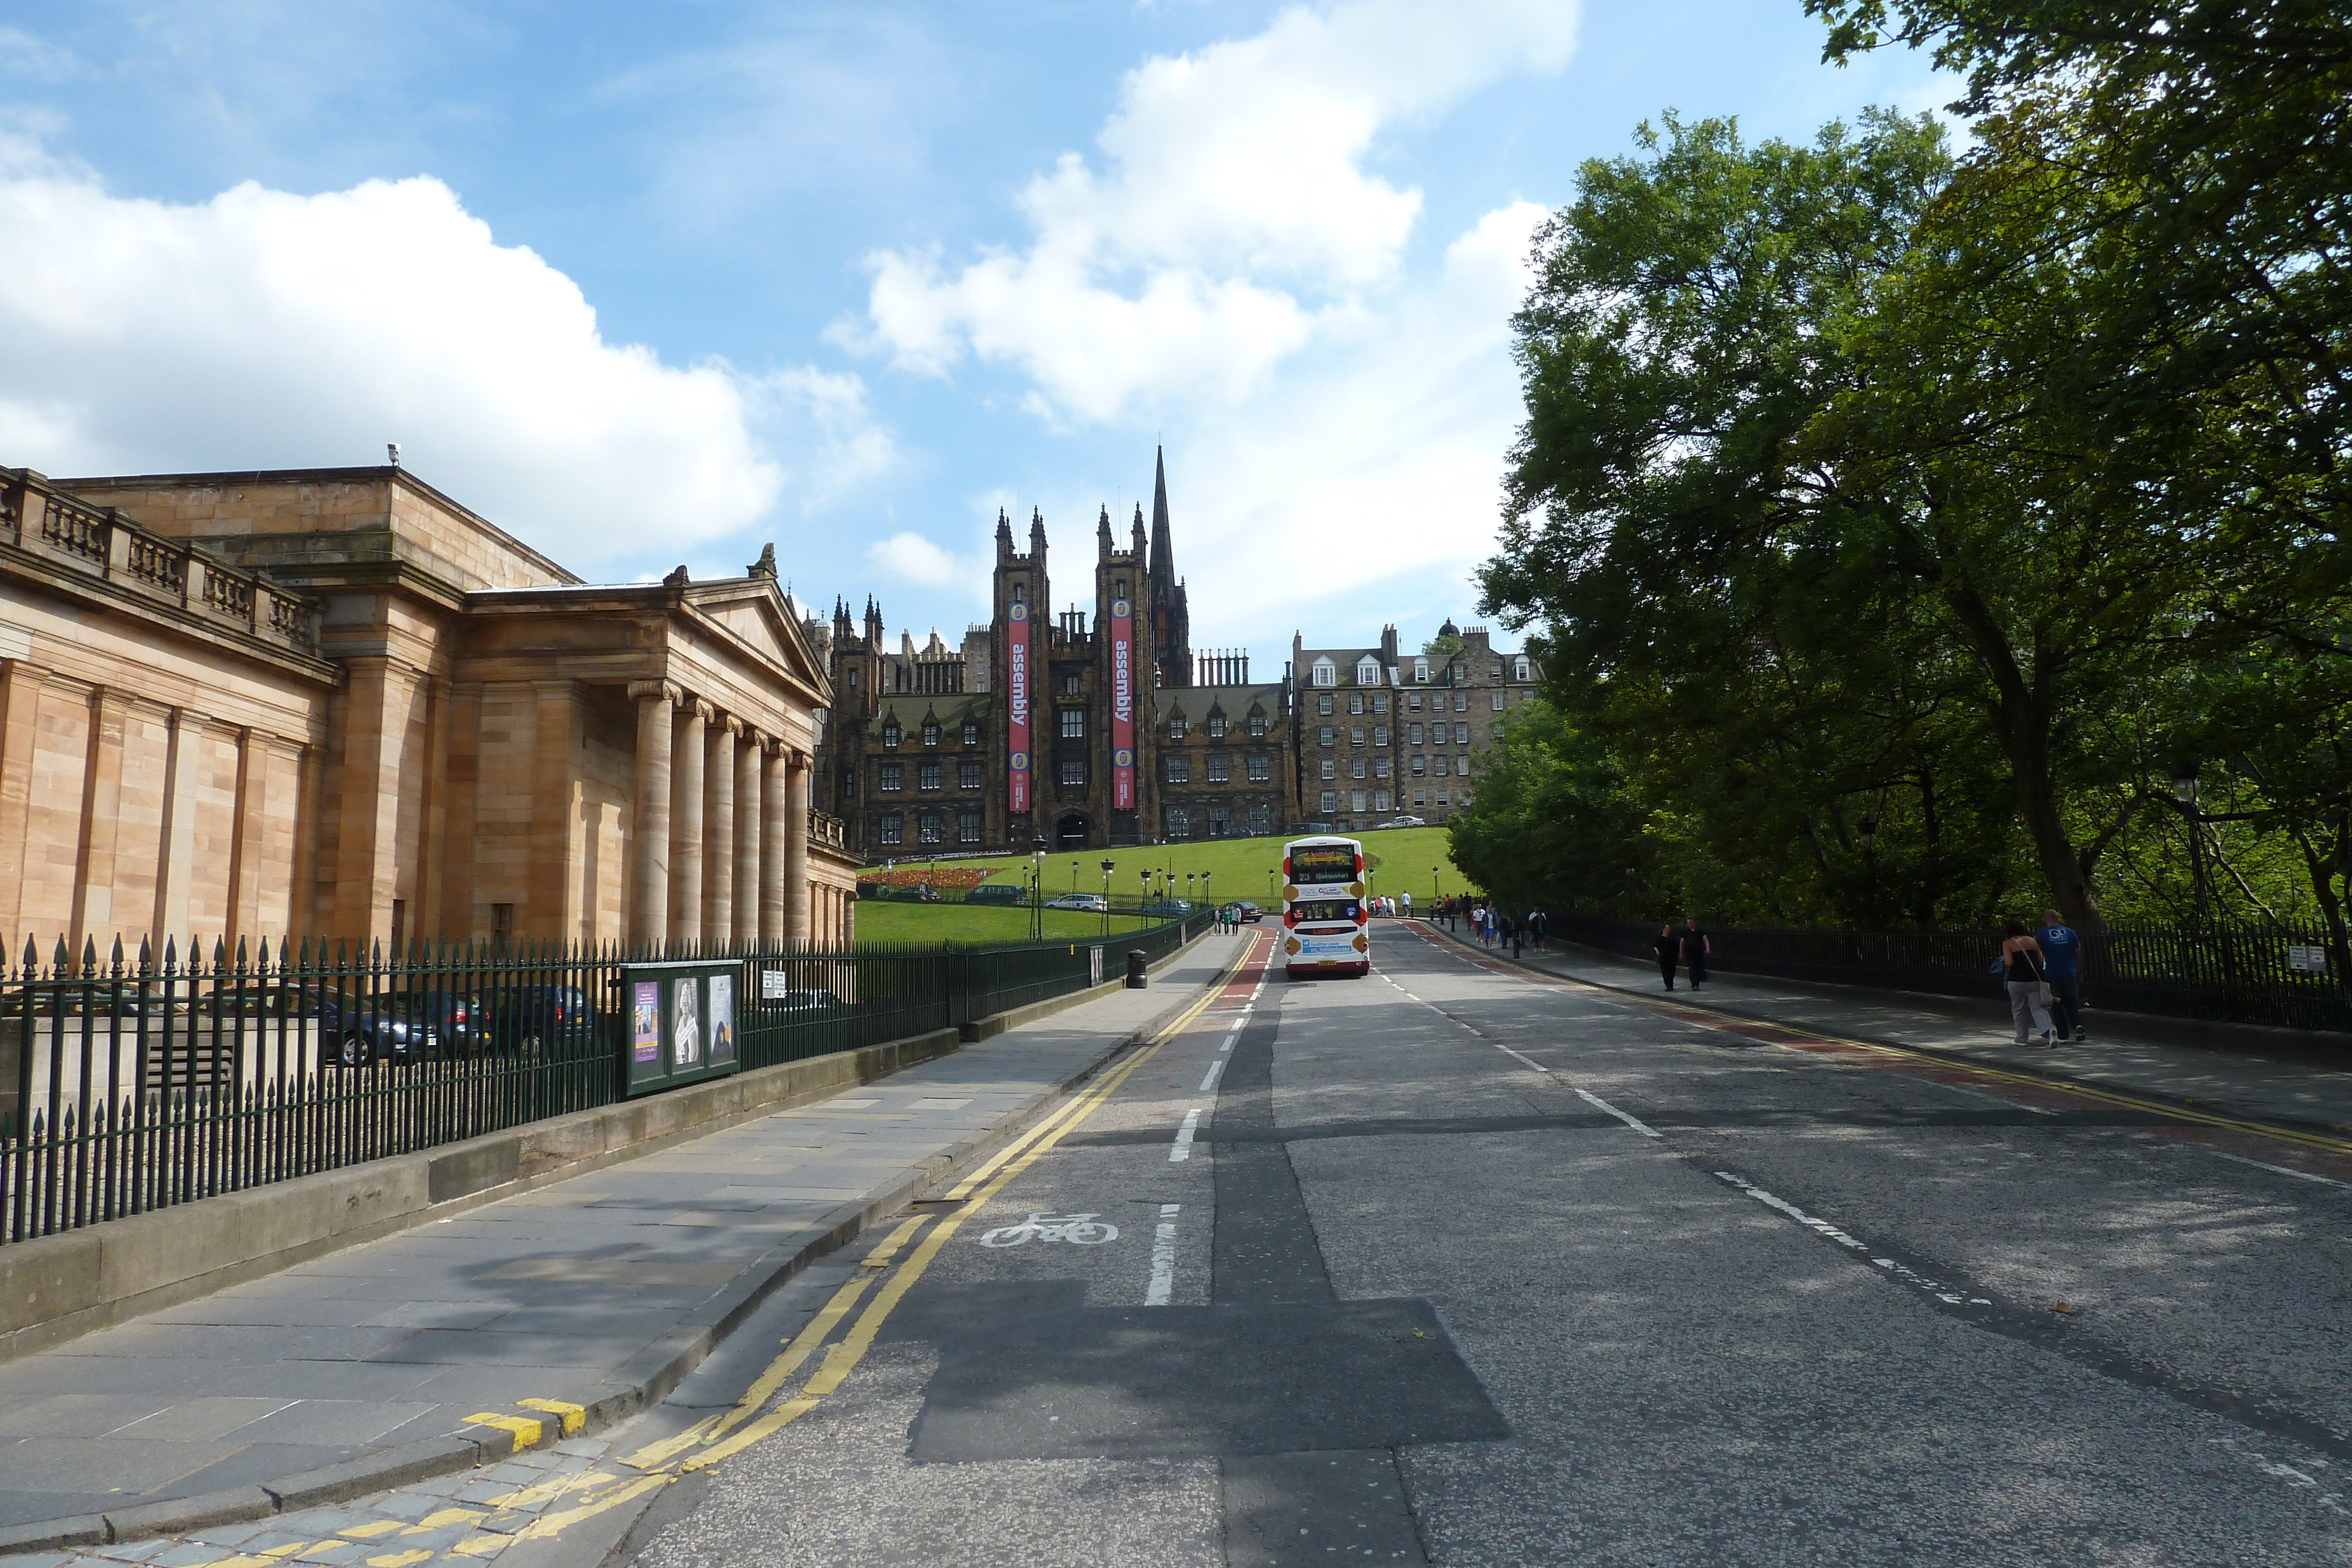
x=2279, y=1084
x=563, y=1294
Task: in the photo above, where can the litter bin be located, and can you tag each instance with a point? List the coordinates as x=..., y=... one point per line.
x=1137, y=976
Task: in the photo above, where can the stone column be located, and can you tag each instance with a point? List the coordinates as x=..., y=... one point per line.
x=649, y=831
x=749, y=837
x=686, y=822
x=101, y=797
x=775, y=909
x=719, y=829
x=796, y=837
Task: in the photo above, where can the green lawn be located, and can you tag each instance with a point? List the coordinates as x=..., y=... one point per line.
x=880, y=922
x=1238, y=868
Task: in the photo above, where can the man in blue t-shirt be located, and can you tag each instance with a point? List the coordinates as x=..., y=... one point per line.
x=2062, y=949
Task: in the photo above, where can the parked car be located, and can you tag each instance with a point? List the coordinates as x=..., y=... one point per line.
x=805, y=1004
x=1167, y=908
x=1404, y=822
x=1087, y=903
x=1250, y=913
x=997, y=893
x=360, y=1032
x=532, y=1019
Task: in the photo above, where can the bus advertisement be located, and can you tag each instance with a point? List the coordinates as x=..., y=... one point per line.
x=1326, y=929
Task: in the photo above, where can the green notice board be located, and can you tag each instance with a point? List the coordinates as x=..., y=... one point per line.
x=683, y=1023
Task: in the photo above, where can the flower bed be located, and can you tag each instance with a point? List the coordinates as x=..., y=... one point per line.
x=946, y=878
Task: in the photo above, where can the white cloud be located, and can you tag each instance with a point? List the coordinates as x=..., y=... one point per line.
x=1236, y=218
x=914, y=558
x=267, y=330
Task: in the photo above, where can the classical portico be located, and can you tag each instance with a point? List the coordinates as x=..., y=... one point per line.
x=478, y=746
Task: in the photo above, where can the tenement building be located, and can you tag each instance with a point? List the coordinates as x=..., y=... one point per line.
x=1383, y=733
x=336, y=703
x=1090, y=725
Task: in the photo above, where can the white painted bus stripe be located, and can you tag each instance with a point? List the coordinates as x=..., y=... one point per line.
x=1163, y=1257
x=1183, y=1149
x=1211, y=1081
x=2283, y=1170
x=1633, y=1121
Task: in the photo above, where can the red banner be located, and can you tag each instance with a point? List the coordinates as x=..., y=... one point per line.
x=1122, y=705
x=1016, y=689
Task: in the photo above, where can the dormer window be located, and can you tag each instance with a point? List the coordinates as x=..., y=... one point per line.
x=1368, y=674
x=1327, y=673
x=931, y=735
x=971, y=735
x=1420, y=672
x=891, y=734
x=1519, y=670
x=1257, y=727
x=1176, y=727
x=1216, y=727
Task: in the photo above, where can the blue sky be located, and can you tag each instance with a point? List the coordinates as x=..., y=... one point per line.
x=655, y=283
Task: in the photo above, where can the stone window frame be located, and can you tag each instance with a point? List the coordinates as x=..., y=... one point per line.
x=1380, y=735
x=1380, y=701
x=891, y=734
x=1220, y=767
x=1261, y=822
x=1420, y=766
x=1180, y=822
x=968, y=827
x=1380, y=800
x=1357, y=769
x=1257, y=727
x=1461, y=701
x=971, y=733
x=1074, y=684
x=1179, y=770
x=1324, y=673
x=1420, y=672
x=1260, y=770
x=1324, y=734
x=1073, y=772
x=929, y=828
x=891, y=778
x=1177, y=727
x=1356, y=735
x=1216, y=727
x=1498, y=695
x=1379, y=767
x=1355, y=705
x=1367, y=671
x=1521, y=669
x=1323, y=706
x=1070, y=723
x=970, y=775
x=1330, y=768
x=1441, y=765
x=930, y=734
x=928, y=776
x=1357, y=799
x=1330, y=801
x=893, y=827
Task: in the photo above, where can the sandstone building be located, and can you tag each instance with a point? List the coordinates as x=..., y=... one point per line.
x=337, y=703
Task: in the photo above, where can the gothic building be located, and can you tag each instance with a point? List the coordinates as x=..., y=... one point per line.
x=1087, y=725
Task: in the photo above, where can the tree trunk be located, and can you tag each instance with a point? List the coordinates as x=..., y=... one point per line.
x=2023, y=717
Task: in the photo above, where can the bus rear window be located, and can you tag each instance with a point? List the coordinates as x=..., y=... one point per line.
x=1325, y=909
x=1333, y=863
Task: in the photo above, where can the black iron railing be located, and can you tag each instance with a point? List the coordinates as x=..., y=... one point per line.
x=131, y=1085
x=2281, y=975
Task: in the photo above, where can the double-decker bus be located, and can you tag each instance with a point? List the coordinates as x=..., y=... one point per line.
x=1326, y=929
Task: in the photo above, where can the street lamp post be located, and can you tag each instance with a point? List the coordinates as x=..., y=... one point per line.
x=2184, y=795
x=1432, y=895
x=1037, y=890
x=1108, y=867
x=1143, y=913
x=1205, y=893
x=1870, y=859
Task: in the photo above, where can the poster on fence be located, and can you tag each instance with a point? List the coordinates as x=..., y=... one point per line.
x=644, y=1020
x=685, y=1023
x=722, y=1020
x=2306, y=960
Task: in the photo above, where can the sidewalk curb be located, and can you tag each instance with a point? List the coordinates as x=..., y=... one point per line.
x=644, y=1381
x=2041, y=1070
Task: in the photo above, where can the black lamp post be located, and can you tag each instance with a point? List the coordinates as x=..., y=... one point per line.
x=1037, y=890
x=2184, y=795
x=1108, y=867
x=1870, y=860
x=1143, y=916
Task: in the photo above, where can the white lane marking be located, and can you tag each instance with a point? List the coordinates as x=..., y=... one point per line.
x=1995, y=1098
x=1822, y=1226
x=1211, y=1081
x=2283, y=1170
x=1633, y=1121
x=1163, y=1257
x=1183, y=1149
x=1229, y=1042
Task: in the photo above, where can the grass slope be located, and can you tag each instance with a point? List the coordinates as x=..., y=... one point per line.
x=888, y=924
x=1238, y=868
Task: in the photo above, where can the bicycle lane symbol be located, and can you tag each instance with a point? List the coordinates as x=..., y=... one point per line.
x=1081, y=1230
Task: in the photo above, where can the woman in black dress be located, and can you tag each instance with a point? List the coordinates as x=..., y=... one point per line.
x=1670, y=948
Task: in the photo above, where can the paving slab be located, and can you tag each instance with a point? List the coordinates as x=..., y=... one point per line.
x=634, y=1270
x=2278, y=1082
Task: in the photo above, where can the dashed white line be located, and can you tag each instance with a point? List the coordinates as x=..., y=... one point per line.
x=1163, y=1257
x=1997, y=1100
x=1211, y=1081
x=1183, y=1147
x=1637, y=1124
x=2283, y=1170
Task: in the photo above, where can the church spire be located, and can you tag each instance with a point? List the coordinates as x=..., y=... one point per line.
x=1163, y=544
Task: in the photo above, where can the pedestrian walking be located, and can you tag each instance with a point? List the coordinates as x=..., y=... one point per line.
x=1513, y=931
x=2022, y=970
x=1538, y=923
x=1696, y=950
x=2062, y=953
x=1669, y=948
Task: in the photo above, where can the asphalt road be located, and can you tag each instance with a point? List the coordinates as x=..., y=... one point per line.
x=1461, y=1266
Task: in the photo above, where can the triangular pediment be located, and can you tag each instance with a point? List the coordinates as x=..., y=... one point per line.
x=755, y=612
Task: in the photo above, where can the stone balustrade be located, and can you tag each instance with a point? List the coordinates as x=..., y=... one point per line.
x=103, y=542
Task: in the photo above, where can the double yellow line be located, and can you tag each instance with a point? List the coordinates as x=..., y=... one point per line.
x=720, y=1437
